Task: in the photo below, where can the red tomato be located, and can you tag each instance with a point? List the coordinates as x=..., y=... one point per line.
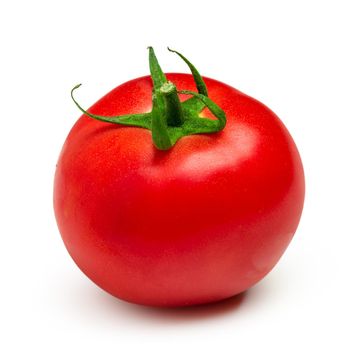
x=198, y=223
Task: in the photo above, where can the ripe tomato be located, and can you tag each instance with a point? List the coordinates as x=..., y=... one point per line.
x=200, y=222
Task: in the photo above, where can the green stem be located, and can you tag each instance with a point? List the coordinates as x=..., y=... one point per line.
x=160, y=135
x=173, y=109
x=170, y=119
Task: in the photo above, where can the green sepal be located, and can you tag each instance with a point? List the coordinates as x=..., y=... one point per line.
x=194, y=103
x=200, y=84
x=193, y=124
x=212, y=106
x=157, y=74
x=142, y=120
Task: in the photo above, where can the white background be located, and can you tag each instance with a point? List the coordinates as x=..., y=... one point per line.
x=292, y=55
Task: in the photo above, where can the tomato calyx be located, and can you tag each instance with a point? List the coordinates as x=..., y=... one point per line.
x=170, y=119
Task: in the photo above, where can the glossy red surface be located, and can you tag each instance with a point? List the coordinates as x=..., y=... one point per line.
x=198, y=223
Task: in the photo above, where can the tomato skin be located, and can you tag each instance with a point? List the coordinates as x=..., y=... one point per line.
x=198, y=223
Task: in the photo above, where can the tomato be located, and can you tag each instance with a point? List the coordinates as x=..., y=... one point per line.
x=200, y=222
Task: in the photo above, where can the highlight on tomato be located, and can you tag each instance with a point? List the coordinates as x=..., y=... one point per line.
x=176, y=189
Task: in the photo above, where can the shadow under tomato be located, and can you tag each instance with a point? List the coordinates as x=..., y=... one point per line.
x=198, y=312
x=174, y=314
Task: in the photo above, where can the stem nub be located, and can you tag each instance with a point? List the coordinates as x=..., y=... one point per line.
x=173, y=109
